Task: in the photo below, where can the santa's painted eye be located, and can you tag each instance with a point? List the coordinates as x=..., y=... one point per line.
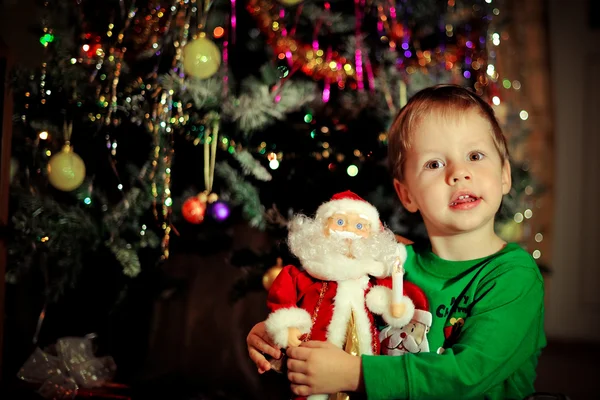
x=359, y=226
x=340, y=222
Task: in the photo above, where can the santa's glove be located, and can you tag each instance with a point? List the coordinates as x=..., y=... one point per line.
x=379, y=301
x=279, y=322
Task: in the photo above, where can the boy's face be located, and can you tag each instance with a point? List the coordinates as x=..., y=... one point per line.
x=453, y=174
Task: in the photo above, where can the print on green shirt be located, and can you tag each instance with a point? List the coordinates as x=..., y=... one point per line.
x=456, y=313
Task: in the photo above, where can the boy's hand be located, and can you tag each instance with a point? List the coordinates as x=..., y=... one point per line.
x=258, y=342
x=321, y=368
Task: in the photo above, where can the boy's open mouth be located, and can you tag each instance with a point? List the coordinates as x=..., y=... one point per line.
x=462, y=198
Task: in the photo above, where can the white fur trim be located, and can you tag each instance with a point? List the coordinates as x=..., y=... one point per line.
x=318, y=397
x=379, y=301
x=278, y=323
x=326, y=210
x=403, y=320
x=350, y=297
x=423, y=317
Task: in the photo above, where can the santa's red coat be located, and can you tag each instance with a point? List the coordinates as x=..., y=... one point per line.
x=294, y=297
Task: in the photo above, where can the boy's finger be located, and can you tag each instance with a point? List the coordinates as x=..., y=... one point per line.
x=272, y=351
x=300, y=390
x=257, y=357
x=263, y=367
x=297, y=378
x=298, y=353
x=316, y=344
x=259, y=344
x=267, y=339
x=296, y=366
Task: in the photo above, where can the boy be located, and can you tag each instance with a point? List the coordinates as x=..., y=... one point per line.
x=450, y=162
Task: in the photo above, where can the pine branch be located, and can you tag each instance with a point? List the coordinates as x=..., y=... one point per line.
x=251, y=166
x=65, y=233
x=243, y=193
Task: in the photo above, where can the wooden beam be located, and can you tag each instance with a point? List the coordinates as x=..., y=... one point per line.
x=6, y=111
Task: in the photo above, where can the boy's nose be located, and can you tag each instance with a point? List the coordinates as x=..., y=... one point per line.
x=464, y=176
x=459, y=173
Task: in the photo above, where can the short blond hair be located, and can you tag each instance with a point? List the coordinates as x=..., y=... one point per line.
x=444, y=99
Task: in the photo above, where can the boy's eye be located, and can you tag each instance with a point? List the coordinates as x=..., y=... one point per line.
x=359, y=226
x=434, y=164
x=476, y=156
x=340, y=222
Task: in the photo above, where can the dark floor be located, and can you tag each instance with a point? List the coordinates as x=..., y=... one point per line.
x=570, y=368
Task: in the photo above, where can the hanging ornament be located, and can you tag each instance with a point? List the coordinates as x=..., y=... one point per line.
x=220, y=211
x=201, y=58
x=272, y=273
x=66, y=170
x=194, y=209
x=290, y=3
x=212, y=121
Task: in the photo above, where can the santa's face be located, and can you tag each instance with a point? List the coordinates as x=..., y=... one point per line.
x=408, y=339
x=336, y=250
x=348, y=225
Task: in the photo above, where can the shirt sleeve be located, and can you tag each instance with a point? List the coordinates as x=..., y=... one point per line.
x=500, y=334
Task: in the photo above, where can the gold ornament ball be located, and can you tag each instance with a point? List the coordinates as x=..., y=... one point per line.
x=290, y=2
x=66, y=170
x=203, y=197
x=269, y=276
x=212, y=198
x=201, y=58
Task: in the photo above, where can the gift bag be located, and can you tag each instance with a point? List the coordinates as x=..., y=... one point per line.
x=67, y=369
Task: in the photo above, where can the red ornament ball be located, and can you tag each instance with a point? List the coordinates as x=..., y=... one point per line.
x=193, y=210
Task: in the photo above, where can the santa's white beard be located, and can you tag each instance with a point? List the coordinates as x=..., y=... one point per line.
x=344, y=234
x=326, y=257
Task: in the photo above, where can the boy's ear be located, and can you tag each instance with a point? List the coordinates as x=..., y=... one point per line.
x=506, y=177
x=405, y=197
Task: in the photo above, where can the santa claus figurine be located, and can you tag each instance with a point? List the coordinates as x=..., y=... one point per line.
x=342, y=251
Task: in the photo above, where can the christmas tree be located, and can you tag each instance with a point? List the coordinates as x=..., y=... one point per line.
x=153, y=126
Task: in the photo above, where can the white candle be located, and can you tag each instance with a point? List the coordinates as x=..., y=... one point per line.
x=397, y=282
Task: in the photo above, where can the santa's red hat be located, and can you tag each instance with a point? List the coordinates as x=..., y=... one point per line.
x=379, y=301
x=346, y=202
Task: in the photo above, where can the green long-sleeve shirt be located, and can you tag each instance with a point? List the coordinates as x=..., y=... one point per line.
x=488, y=315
